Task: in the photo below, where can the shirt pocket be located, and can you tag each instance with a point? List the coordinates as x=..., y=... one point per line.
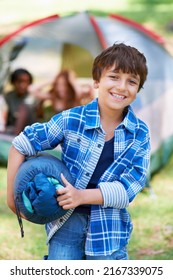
x=75, y=146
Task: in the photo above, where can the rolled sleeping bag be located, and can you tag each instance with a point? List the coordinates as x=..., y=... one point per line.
x=35, y=188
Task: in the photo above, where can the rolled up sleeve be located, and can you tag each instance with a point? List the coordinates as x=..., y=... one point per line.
x=39, y=137
x=22, y=144
x=114, y=195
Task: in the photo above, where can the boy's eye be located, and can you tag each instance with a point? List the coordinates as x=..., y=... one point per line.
x=133, y=82
x=113, y=77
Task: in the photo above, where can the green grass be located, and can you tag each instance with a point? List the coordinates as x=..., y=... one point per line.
x=13, y=247
x=151, y=211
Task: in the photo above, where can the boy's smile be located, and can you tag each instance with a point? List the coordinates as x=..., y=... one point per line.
x=117, y=97
x=116, y=89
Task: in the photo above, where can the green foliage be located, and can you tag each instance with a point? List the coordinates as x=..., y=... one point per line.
x=156, y=14
x=151, y=3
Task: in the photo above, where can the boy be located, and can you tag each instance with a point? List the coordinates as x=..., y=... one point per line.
x=106, y=148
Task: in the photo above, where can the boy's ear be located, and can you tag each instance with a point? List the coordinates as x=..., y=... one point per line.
x=96, y=84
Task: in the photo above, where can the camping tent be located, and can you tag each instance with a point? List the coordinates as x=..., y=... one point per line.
x=46, y=45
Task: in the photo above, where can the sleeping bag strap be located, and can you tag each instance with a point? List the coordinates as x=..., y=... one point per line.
x=19, y=218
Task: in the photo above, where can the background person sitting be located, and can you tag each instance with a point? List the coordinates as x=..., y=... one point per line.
x=21, y=107
x=64, y=93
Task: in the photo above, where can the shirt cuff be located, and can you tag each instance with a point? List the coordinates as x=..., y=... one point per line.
x=114, y=195
x=22, y=144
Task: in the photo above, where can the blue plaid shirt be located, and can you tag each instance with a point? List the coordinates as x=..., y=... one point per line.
x=80, y=134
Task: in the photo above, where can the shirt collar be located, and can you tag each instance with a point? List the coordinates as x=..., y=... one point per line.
x=130, y=120
x=93, y=117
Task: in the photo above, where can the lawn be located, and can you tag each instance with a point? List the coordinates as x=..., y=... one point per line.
x=32, y=246
x=151, y=211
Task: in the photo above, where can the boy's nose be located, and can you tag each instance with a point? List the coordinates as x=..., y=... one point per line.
x=121, y=85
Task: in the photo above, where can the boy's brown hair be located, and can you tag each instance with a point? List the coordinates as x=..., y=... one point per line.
x=125, y=58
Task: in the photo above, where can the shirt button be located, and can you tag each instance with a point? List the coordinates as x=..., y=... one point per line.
x=87, y=174
x=61, y=220
x=99, y=145
x=78, y=140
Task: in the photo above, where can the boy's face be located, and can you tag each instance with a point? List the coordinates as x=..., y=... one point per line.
x=116, y=89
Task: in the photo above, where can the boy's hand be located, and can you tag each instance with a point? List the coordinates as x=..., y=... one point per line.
x=68, y=197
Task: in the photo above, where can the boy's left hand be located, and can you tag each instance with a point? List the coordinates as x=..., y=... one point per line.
x=68, y=197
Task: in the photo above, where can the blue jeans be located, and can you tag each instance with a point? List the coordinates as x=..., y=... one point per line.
x=68, y=243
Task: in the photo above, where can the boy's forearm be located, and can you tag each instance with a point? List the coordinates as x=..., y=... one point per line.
x=15, y=159
x=91, y=196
